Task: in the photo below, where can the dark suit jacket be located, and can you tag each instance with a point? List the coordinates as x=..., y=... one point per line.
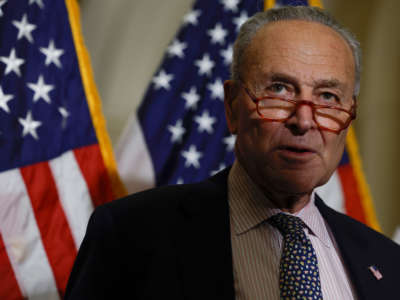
x=174, y=243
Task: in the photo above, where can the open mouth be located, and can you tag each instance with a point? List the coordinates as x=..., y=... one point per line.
x=298, y=150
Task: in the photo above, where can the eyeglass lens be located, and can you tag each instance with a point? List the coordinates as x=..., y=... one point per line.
x=278, y=109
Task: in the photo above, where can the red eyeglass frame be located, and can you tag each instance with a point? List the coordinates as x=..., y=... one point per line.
x=297, y=103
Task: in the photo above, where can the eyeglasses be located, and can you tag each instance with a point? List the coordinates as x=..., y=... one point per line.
x=327, y=117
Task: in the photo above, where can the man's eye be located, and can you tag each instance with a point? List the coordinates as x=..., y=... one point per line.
x=278, y=88
x=329, y=97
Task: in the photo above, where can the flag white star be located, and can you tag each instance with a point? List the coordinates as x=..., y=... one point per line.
x=192, y=17
x=13, y=63
x=238, y=21
x=41, y=90
x=176, y=49
x=191, y=98
x=217, y=34
x=4, y=98
x=217, y=89
x=231, y=5
x=29, y=125
x=229, y=141
x=227, y=55
x=220, y=168
x=64, y=112
x=205, y=65
x=192, y=157
x=38, y=2
x=2, y=2
x=24, y=28
x=205, y=122
x=177, y=131
x=52, y=54
x=162, y=80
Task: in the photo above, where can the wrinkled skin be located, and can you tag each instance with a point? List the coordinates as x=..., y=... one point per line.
x=302, y=60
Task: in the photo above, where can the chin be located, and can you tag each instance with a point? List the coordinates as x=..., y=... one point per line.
x=296, y=183
x=297, y=187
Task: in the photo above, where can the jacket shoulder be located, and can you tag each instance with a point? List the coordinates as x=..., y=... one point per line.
x=167, y=203
x=354, y=230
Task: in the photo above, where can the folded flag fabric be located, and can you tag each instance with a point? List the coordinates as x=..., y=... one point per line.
x=56, y=162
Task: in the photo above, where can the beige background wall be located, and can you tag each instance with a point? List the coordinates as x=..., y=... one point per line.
x=126, y=40
x=377, y=25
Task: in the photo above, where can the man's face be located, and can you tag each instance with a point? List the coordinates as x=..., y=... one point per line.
x=302, y=60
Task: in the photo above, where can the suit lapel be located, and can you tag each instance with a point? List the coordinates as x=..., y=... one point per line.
x=355, y=250
x=205, y=244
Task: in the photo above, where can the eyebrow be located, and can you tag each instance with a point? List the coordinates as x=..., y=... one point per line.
x=329, y=83
x=281, y=77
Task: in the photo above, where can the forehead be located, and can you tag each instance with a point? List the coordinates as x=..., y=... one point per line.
x=300, y=48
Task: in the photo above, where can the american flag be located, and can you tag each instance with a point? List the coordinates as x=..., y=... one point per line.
x=179, y=134
x=377, y=274
x=53, y=143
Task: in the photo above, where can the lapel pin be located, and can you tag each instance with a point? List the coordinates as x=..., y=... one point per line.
x=377, y=274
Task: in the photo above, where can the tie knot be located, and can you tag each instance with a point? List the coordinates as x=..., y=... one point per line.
x=287, y=224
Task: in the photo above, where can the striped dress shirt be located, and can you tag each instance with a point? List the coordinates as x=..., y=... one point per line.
x=257, y=245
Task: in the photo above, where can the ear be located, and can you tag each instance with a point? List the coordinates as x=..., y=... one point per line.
x=231, y=106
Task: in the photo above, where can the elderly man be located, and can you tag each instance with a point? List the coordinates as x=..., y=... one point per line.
x=256, y=230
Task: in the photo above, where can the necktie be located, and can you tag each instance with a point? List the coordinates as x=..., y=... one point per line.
x=298, y=270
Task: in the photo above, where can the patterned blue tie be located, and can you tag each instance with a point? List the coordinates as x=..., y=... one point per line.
x=299, y=275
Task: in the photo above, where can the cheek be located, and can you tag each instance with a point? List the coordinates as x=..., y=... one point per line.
x=247, y=122
x=258, y=136
x=255, y=137
x=270, y=132
x=341, y=142
x=334, y=147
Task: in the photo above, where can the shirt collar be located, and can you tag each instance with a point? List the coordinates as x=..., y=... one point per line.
x=315, y=222
x=249, y=207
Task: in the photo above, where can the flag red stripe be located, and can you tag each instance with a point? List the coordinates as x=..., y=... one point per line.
x=52, y=223
x=92, y=167
x=9, y=288
x=352, y=196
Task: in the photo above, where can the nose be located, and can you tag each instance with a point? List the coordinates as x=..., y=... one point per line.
x=302, y=119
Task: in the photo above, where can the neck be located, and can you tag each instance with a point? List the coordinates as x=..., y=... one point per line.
x=286, y=199
x=288, y=203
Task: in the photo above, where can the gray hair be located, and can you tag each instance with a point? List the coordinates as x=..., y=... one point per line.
x=304, y=13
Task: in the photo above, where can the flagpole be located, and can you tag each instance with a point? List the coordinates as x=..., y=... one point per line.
x=93, y=100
